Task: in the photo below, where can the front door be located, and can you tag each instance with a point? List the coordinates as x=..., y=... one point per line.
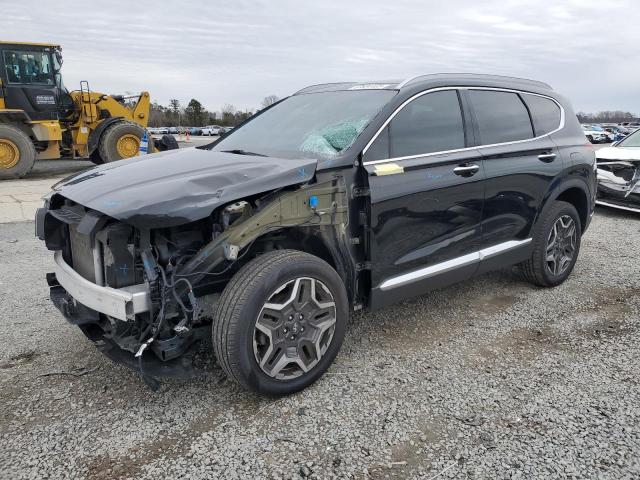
x=427, y=195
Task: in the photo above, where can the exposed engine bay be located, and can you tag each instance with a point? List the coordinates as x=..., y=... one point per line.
x=146, y=296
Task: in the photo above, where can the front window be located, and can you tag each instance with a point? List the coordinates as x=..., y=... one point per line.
x=26, y=67
x=316, y=125
x=633, y=140
x=430, y=123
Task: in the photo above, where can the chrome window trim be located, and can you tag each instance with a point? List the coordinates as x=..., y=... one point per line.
x=476, y=147
x=448, y=265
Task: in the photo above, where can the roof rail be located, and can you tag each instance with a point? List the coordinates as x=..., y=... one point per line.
x=309, y=87
x=477, y=76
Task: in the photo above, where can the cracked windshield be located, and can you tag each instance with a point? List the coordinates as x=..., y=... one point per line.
x=315, y=125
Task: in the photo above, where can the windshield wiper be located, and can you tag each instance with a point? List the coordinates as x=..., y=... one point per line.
x=239, y=151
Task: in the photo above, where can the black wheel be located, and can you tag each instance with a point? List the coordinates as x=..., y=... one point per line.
x=280, y=322
x=17, y=153
x=120, y=140
x=95, y=157
x=556, y=244
x=167, y=142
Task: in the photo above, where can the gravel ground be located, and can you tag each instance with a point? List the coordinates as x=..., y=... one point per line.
x=492, y=378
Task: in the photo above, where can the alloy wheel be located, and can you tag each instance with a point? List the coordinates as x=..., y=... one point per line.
x=294, y=328
x=9, y=154
x=561, y=245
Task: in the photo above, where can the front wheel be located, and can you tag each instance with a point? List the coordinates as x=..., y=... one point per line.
x=17, y=153
x=120, y=140
x=280, y=322
x=556, y=244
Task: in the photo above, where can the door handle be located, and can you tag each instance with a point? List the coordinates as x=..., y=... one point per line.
x=547, y=157
x=466, y=170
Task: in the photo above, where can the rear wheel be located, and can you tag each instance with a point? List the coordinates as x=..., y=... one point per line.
x=120, y=141
x=280, y=322
x=17, y=153
x=556, y=245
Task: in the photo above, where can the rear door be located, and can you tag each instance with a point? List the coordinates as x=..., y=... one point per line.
x=427, y=192
x=521, y=162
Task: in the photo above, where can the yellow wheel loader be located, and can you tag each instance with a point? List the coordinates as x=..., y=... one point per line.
x=41, y=119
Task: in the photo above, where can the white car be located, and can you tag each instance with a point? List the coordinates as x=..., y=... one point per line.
x=211, y=130
x=619, y=174
x=594, y=136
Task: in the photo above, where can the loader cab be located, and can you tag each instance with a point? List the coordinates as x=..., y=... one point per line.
x=30, y=79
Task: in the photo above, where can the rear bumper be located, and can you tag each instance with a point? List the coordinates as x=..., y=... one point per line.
x=122, y=303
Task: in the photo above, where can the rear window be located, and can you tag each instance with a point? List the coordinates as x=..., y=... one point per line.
x=544, y=112
x=501, y=116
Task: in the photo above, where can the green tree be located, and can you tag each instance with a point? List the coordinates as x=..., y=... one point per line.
x=195, y=113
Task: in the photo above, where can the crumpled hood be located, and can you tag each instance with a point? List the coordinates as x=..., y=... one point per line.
x=179, y=186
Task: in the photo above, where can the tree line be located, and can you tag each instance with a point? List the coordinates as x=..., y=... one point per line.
x=607, y=116
x=195, y=115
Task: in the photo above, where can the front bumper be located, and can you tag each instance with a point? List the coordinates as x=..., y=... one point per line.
x=122, y=303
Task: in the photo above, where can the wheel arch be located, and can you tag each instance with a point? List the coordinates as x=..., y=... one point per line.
x=576, y=193
x=17, y=119
x=95, y=135
x=324, y=242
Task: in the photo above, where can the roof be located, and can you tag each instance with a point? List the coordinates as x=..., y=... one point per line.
x=453, y=78
x=26, y=44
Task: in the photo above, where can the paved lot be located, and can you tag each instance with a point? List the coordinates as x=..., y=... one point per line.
x=490, y=379
x=20, y=198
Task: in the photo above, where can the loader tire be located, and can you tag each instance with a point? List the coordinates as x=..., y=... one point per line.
x=120, y=141
x=17, y=153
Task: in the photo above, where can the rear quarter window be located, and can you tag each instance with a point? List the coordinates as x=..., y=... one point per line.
x=501, y=116
x=545, y=113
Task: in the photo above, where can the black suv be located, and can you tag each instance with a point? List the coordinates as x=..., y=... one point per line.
x=342, y=196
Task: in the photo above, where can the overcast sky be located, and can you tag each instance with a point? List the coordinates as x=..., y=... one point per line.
x=237, y=51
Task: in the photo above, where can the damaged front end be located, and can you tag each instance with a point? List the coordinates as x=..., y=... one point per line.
x=146, y=295
x=619, y=184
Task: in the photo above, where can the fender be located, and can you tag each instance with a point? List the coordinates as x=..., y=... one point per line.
x=94, y=136
x=10, y=115
x=561, y=186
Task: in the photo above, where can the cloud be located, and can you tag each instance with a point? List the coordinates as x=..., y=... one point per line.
x=238, y=52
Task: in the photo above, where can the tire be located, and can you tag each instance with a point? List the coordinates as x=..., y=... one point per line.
x=108, y=148
x=95, y=157
x=17, y=153
x=167, y=142
x=235, y=334
x=538, y=269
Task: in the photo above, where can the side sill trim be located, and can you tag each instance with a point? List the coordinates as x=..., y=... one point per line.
x=464, y=260
x=612, y=205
